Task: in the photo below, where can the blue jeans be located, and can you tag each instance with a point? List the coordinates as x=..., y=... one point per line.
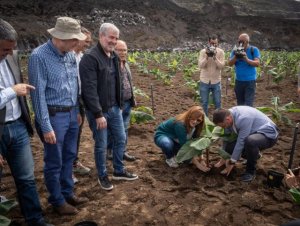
x=168, y=146
x=126, y=120
x=59, y=157
x=79, y=136
x=115, y=126
x=204, y=91
x=15, y=148
x=245, y=92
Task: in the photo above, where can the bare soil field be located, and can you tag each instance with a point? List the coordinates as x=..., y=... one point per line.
x=182, y=196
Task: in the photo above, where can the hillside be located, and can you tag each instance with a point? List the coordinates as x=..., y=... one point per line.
x=164, y=23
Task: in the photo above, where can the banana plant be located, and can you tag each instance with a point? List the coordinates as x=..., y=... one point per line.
x=141, y=114
x=195, y=147
x=276, y=112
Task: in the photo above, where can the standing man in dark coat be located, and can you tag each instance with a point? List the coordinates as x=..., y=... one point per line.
x=101, y=87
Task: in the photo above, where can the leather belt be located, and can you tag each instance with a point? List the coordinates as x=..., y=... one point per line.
x=60, y=108
x=11, y=122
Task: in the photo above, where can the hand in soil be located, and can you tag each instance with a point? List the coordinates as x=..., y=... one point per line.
x=291, y=180
x=220, y=163
x=200, y=164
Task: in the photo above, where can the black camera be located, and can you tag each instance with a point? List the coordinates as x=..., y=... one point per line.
x=239, y=51
x=210, y=51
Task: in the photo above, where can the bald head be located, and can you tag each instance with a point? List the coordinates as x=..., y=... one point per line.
x=121, y=49
x=244, y=38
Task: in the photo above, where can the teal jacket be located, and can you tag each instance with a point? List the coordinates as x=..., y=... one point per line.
x=172, y=129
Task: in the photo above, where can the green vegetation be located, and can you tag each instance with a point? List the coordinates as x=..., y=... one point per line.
x=277, y=112
x=276, y=65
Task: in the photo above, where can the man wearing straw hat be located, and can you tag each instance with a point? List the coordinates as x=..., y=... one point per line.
x=53, y=71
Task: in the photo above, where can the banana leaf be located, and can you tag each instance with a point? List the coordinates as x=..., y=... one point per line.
x=195, y=147
x=140, y=117
x=187, y=152
x=201, y=144
x=6, y=206
x=208, y=128
x=217, y=133
x=295, y=194
x=224, y=154
x=4, y=221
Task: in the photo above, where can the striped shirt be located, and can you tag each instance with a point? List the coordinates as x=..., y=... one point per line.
x=55, y=78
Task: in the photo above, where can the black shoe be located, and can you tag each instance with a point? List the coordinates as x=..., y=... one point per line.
x=247, y=177
x=128, y=157
x=124, y=176
x=105, y=183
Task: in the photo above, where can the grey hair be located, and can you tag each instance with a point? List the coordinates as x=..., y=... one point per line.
x=7, y=32
x=105, y=27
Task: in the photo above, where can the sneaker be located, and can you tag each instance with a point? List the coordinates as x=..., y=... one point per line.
x=124, y=176
x=75, y=180
x=247, y=177
x=105, y=183
x=80, y=169
x=172, y=162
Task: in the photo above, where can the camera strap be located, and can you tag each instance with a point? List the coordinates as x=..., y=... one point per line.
x=252, y=52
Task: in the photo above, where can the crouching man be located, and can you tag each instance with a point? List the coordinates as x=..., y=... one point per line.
x=255, y=132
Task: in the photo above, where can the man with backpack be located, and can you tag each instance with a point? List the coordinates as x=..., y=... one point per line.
x=245, y=58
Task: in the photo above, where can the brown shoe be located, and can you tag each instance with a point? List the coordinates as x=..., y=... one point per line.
x=65, y=209
x=75, y=201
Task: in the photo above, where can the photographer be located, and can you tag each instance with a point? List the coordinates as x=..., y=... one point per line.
x=211, y=61
x=245, y=58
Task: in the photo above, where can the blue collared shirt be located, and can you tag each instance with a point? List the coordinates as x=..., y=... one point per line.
x=54, y=76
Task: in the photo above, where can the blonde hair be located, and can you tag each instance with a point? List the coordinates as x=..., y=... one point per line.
x=195, y=112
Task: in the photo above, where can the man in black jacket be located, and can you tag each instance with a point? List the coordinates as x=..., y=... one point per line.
x=101, y=87
x=15, y=127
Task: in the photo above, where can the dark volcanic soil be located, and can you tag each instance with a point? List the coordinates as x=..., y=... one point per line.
x=182, y=196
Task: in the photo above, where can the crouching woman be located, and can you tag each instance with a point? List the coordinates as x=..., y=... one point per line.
x=173, y=133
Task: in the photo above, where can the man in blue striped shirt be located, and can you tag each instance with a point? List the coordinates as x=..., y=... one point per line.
x=53, y=71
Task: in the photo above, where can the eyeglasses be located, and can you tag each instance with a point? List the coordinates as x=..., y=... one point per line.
x=242, y=41
x=198, y=121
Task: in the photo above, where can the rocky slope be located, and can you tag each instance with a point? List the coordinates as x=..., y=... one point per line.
x=160, y=24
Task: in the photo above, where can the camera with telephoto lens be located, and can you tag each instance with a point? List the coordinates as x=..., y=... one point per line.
x=239, y=51
x=210, y=51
